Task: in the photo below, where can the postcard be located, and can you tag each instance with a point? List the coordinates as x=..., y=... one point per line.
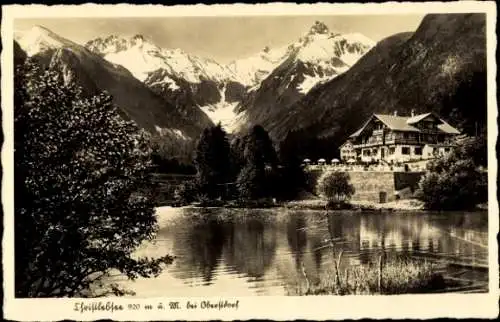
x=273, y=161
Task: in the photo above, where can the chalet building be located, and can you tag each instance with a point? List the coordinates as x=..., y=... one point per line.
x=400, y=139
x=347, y=151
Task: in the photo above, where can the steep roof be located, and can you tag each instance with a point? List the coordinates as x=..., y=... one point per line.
x=397, y=123
x=417, y=118
x=405, y=124
x=447, y=128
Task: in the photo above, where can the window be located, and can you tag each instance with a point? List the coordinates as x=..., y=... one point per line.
x=418, y=151
x=405, y=150
x=405, y=135
x=392, y=150
x=366, y=152
x=446, y=150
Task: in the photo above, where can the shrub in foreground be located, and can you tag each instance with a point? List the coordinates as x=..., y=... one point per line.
x=451, y=184
x=82, y=205
x=335, y=187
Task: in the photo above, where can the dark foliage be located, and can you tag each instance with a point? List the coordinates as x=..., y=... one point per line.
x=187, y=192
x=454, y=182
x=335, y=186
x=83, y=202
x=255, y=179
x=213, y=162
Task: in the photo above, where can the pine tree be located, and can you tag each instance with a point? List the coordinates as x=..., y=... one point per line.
x=254, y=180
x=212, y=161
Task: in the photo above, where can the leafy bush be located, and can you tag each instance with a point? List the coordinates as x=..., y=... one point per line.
x=452, y=184
x=186, y=193
x=82, y=201
x=335, y=186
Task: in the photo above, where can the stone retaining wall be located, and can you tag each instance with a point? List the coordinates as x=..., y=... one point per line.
x=369, y=185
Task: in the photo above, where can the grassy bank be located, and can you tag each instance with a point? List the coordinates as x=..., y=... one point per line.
x=319, y=204
x=395, y=276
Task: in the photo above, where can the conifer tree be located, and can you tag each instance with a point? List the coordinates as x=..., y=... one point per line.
x=212, y=161
x=254, y=180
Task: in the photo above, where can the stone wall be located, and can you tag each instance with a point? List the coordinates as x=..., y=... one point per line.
x=167, y=184
x=369, y=184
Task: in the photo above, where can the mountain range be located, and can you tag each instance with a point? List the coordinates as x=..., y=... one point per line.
x=441, y=67
x=321, y=86
x=94, y=74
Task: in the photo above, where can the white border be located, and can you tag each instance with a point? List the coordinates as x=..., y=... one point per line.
x=279, y=308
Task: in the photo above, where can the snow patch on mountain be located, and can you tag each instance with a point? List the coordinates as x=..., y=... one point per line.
x=251, y=70
x=311, y=81
x=166, y=81
x=171, y=131
x=222, y=112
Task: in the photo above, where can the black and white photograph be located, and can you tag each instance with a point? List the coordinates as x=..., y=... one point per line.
x=222, y=156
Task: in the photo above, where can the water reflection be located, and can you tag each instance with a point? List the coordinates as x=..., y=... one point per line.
x=198, y=247
x=296, y=233
x=250, y=247
x=266, y=254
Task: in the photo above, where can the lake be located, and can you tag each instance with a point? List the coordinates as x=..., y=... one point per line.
x=244, y=252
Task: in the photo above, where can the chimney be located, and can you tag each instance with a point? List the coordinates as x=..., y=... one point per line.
x=412, y=113
x=395, y=112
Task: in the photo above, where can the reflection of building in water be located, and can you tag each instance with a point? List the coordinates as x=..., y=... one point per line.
x=468, y=235
x=401, y=234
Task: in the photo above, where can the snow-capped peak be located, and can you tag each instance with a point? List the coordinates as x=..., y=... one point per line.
x=319, y=28
x=142, y=57
x=359, y=38
x=317, y=46
x=39, y=39
x=323, y=46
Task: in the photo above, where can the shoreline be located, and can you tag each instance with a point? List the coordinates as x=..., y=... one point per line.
x=359, y=205
x=400, y=206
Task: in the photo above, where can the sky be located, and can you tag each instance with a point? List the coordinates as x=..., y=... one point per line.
x=222, y=38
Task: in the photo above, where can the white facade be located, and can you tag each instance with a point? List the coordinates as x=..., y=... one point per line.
x=347, y=151
x=393, y=139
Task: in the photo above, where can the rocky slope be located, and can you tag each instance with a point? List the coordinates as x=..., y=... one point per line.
x=93, y=73
x=317, y=57
x=190, y=83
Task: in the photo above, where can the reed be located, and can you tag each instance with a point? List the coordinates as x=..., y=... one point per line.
x=384, y=276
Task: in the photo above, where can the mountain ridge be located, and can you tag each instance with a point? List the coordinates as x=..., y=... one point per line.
x=441, y=67
x=315, y=58
x=94, y=74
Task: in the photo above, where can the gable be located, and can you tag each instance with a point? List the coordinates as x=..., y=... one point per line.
x=424, y=118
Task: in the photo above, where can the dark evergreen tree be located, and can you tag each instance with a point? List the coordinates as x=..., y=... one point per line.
x=251, y=182
x=291, y=178
x=255, y=179
x=259, y=148
x=212, y=162
x=237, y=156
